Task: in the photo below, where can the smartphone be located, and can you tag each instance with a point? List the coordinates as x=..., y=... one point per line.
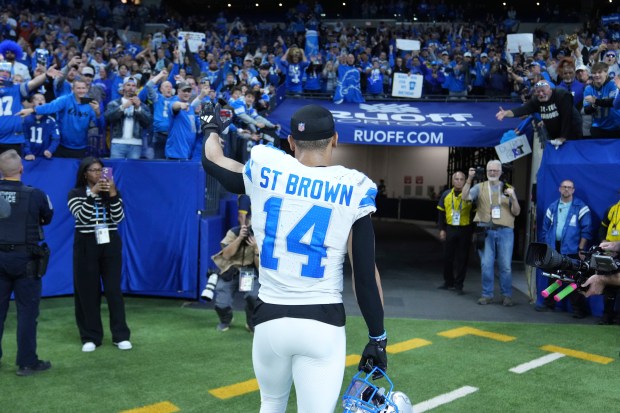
x=106, y=173
x=86, y=100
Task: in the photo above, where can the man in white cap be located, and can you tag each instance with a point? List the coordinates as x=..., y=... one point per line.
x=306, y=212
x=560, y=117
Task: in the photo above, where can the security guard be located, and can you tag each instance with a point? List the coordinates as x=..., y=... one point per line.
x=455, y=230
x=22, y=259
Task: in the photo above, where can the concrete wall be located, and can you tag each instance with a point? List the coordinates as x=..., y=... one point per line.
x=394, y=163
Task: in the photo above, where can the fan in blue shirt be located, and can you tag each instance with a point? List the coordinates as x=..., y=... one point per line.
x=40, y=133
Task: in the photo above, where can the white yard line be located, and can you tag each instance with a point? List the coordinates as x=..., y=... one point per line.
x=522, y=368
x=444, y=398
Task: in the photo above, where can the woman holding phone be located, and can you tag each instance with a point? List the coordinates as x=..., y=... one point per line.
x=97, y=208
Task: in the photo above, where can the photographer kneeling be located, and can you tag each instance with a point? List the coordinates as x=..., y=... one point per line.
x=596, y=283
x=238, y=265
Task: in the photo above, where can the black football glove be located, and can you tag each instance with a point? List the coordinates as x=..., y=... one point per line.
x=374, y=355
x=214, y=119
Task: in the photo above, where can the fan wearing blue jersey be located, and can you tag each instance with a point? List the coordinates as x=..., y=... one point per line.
x=160, y=100
x=75, y=114
x=11, y=96
x=598, y=99
x=182, y=131
x=305, y=212
x=40, y=132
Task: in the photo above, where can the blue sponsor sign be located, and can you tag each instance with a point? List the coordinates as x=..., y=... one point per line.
x=408, y=123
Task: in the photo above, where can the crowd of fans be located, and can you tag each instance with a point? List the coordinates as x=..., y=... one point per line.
x=159, y=85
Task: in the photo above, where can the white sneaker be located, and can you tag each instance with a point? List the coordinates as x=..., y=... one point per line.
x=124, y=345
x=89, y=347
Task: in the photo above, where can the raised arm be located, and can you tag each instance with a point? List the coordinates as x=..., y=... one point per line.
x=227, y=171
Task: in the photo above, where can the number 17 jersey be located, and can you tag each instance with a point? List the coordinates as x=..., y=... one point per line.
x=302, y=217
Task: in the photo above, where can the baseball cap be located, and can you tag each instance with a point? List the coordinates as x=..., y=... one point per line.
x=582, y=67
x=444, y=53
x=7, y=68
x=183, y=86
x=129, y=80
x=265, y=66
x=312, y=123
x=484, y=54
x=249, y=57
x=87, y=70
x=467, y=54
x=534, y=63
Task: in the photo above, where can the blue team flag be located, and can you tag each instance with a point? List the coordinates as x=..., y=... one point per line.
x=312, y=43
x=348, y=88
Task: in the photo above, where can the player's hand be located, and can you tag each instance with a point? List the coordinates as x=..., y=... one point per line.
x=374, y=355
x=214, y=119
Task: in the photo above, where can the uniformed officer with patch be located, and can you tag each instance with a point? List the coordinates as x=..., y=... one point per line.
x=22, y=260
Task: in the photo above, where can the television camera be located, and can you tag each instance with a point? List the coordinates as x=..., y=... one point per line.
x=567, y=270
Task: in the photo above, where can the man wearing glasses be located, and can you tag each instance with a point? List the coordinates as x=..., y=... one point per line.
x=496, y=209
x=567, y=227
x=560, y=117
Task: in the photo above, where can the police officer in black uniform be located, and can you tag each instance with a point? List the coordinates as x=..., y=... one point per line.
x=22, y=259
x=5, y=208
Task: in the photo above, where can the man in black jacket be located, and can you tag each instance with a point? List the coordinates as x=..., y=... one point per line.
x=562, y=120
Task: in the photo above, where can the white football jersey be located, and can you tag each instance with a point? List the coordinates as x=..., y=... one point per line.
x=302, y=217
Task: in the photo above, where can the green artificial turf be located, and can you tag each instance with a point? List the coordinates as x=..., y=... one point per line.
x=178, y=356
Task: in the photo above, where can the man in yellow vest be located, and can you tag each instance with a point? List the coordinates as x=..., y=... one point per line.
x=610, y=231
x=455, y=230
x=496, y=209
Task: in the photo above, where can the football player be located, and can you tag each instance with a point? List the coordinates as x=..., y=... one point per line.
x=304, y=212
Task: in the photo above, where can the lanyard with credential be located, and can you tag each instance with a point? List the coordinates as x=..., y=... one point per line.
x=456, y=216
x=499, y=199
x=97, y=213
x=460, y=203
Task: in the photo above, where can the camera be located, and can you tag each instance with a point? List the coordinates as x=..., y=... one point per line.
x=565, y=269
x=481, y=173
x=209, y=292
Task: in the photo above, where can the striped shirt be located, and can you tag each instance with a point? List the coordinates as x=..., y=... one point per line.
x=89, y=210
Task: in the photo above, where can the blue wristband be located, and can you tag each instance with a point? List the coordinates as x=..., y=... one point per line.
x=379, y=338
